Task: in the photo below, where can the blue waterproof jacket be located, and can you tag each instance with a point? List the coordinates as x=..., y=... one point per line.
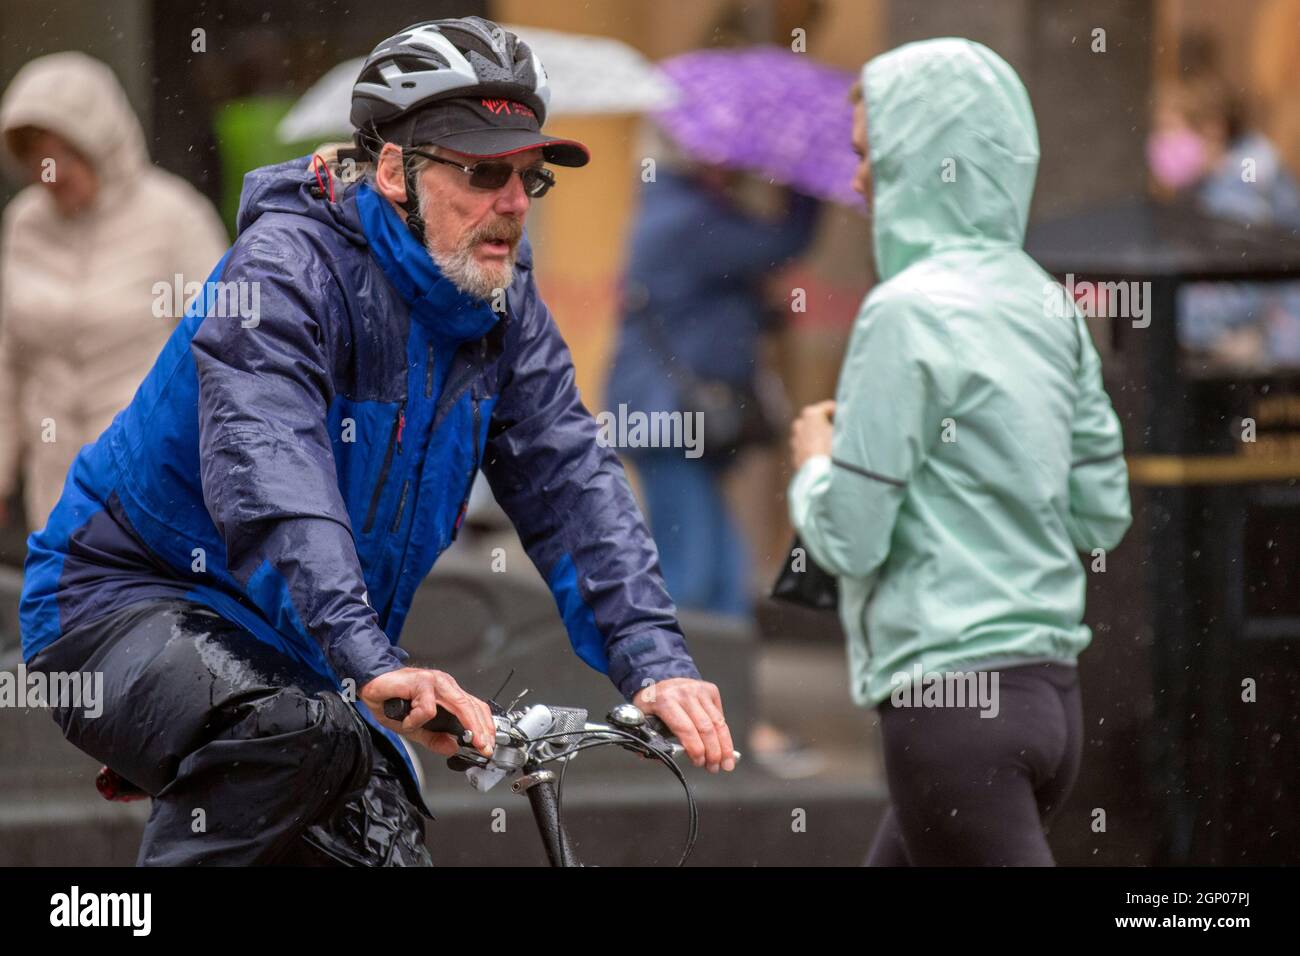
x=303, y=450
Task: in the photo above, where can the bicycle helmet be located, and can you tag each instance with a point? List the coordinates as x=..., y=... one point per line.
x=464, y=83
x=441, y=59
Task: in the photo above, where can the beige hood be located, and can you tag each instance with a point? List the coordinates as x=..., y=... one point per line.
x=80, y=99
x=81, y=318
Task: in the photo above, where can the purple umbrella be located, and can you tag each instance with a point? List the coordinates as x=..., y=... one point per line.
x=769, y=111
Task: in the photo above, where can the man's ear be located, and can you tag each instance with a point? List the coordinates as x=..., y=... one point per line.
x=389, y=178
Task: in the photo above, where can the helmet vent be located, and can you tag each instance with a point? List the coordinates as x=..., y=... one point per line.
x=372, y=75
x=488, y=71
x=420, y=62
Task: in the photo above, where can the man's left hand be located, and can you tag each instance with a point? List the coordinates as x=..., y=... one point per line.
x=692, y=709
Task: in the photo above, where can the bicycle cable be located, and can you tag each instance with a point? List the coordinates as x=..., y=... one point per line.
x=639, y=745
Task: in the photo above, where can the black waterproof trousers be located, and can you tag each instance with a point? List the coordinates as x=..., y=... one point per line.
x=250, y=757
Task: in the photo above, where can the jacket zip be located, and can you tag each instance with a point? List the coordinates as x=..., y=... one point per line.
x=473, y=469
x=406, y=486
x=394, y=441
x=428, y=373
x=401, y=506
x=452, y=389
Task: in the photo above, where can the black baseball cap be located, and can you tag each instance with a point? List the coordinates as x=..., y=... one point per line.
x=486, y=127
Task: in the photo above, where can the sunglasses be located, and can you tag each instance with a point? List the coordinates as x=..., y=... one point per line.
x=495, y=173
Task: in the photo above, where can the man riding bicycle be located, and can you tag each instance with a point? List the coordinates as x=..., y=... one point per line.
x=239, y=550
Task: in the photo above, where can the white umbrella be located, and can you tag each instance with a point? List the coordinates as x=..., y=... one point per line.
x=588, y=75
x=322, y=112
x=592, y=75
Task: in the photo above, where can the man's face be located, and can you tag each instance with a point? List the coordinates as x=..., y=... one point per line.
x=862, y=175
x=472, y=234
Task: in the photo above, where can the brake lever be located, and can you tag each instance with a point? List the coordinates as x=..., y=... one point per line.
x=657, y=726
x=654, y=733
x=665, y=741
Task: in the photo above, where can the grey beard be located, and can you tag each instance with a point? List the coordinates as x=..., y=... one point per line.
x=464, y=271
x=471, y=278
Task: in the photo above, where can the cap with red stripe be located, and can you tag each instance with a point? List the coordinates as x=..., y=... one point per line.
x=485, y=127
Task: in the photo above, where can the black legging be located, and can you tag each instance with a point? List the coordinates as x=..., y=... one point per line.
x=966, y=790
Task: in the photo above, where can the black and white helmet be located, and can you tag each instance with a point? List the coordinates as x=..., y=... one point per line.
x=444, y=59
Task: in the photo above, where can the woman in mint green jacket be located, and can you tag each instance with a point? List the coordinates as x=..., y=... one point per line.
x=970, y=453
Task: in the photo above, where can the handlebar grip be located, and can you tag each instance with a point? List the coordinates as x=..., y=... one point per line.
x=443, y=722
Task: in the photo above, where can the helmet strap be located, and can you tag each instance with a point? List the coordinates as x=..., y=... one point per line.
x=414, y=221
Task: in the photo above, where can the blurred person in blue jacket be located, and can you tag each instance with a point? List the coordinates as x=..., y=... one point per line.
x=237, y=553
x=694, y=312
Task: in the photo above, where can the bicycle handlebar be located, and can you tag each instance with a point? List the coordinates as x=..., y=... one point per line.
x=529, y=739
x=445, y=722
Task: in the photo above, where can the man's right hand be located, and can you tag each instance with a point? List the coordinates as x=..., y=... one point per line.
x=430, y=691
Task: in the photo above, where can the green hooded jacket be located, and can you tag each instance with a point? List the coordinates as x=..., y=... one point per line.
x=975, y=451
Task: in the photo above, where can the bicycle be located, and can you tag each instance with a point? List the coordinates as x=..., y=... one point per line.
x=529, y=739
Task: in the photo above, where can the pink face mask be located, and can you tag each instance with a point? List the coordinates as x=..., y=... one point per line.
x=1176, y=157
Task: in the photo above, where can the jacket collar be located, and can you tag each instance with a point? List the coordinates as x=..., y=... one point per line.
x=432, y=297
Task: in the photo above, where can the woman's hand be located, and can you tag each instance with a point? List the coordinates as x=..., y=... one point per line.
x=810, y=434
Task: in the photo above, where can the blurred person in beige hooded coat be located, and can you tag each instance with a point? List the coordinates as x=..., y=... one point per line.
x=83, y=250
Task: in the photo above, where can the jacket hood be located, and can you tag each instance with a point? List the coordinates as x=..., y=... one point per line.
x=292, y=188
x=953, y=148
x=78, y=98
